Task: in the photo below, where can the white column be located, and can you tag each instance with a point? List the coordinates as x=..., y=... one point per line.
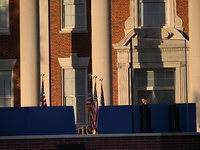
x=101, y=47
x=29, y=52
x=194, y=56
x=44, y=46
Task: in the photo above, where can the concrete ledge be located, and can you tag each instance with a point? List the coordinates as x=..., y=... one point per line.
x=96, y=135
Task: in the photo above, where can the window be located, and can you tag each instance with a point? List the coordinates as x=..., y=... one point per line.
x=4, y=16
x=75, y=92
x=152, y=12
x=158, y=86
x=74, y=15
x=5, y=88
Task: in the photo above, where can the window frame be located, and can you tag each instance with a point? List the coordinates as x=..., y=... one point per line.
x=171, y=15
x=141, y=13
x=8, y=65
x=73, y=29
x=155, y=88
x=155, y=79
x=5, y=31
x=64, y=103
x=11, y=88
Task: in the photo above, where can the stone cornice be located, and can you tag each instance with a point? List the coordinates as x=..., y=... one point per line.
x=127, y=50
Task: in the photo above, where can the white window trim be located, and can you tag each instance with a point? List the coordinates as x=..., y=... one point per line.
x=155, y=88
x=170, y=14
x=172, y=19
x=6, y=31
x=78, y=124
x=74, y=29
x=153, y=1
x=71, y=63
x=177, y=69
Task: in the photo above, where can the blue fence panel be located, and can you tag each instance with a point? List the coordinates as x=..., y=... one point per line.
x=37, y=121
x=115, y=119
x=118, y=119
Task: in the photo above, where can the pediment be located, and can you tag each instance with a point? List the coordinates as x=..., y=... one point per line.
x=152, y=38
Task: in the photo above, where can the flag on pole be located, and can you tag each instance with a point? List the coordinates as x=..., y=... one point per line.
x=89, y=98
x=89, y=105
x=102, y=93
x=43, y=102
x=92, y=105
x=94, y=108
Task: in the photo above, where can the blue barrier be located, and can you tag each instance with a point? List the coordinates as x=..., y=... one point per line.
x=17, y=121
x=118, y=119
x=112, y=119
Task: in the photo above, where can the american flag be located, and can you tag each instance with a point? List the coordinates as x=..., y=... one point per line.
x=102, y=95
x=42, y=96
x=89, y=98
x=92, y=105
x=94, y=108
x=88, y=105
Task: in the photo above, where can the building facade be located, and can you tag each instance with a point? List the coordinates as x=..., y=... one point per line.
x=140, y=48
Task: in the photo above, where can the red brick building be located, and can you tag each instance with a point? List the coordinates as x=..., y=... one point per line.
x=68, y=39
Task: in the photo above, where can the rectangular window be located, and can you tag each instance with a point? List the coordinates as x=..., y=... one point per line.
x=74, y=14
x=158, y=86
x=5, y=88
x=75, y=92
x=4, y=16
x=152, y=12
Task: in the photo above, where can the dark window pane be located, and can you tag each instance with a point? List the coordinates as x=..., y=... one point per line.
x=157, y=96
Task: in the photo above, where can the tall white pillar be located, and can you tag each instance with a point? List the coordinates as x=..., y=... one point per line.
x=44, y=46
x=29, y=52
x=194, y=56
x=101, y=47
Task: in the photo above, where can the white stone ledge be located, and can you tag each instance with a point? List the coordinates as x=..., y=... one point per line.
x=74, y=136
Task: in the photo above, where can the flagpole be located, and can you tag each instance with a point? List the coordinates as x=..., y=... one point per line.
x=102, y=93
x=42, y=75
x=42, y=95
x=88, y=103
x=95, y=108
x=131, y=81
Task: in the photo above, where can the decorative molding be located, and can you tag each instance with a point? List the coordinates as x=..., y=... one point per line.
x=74, y=61
x=123, y=65
x=178, y=23
x=125, y=40
x=158, y=33
x=177, y=20
x=7, y=64
x=130, y=23
x=166, y=33
x=152, y=49
x=160, y=49
x=171, y=33
x=170, y=37
x=154, y=32
x=125, y=50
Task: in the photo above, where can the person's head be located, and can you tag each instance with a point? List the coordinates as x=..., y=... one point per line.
x=144, y=101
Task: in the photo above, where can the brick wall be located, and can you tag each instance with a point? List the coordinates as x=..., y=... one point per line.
x=107, y=142
x=10, y=47
x=62, y=45
x=182, y=12
x=120, y=11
